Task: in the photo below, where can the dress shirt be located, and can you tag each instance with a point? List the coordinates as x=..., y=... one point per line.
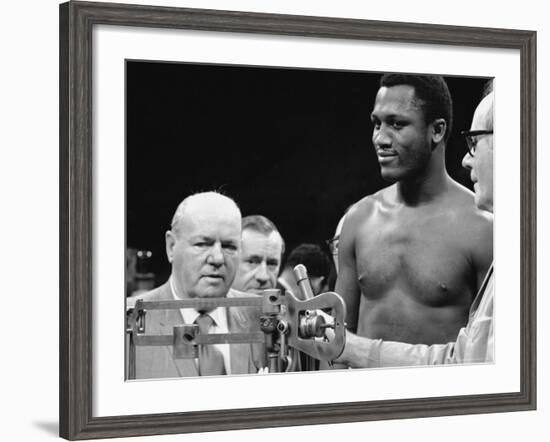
x=219, y=316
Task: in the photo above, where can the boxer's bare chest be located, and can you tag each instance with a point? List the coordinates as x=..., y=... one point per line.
x=415, y=253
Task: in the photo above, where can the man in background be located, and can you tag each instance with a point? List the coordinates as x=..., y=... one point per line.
x=262, y=247
x=317, y=264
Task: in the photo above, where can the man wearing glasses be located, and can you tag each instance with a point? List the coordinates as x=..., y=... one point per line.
x=475, y=341
x=413, y=255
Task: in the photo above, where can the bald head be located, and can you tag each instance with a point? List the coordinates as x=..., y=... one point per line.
x=203, y=245
x=203, y=205
x=483, y=116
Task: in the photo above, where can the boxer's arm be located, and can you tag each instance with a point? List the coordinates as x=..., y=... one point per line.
x=346, y=282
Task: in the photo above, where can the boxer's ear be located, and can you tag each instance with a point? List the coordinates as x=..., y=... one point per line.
x=438, y=131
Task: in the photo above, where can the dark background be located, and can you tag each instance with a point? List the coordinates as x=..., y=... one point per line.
x=291, y=144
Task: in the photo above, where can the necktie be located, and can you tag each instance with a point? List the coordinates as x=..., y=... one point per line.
x=210, y=358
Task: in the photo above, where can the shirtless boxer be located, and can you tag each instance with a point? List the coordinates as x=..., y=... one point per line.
x=412, y=256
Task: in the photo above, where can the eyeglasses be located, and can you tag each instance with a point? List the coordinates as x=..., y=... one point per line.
x=471, y=138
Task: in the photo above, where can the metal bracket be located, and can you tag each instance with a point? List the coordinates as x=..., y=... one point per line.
x=306, y=328
x=185, y=345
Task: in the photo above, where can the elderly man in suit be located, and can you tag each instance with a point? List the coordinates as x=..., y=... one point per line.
x=203, y=247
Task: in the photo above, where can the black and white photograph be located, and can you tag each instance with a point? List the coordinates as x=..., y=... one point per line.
x=378, y=185
x=272, y=220
x=275, y=221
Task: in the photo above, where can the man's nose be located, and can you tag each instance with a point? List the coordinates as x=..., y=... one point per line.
x=381, y=137
x=215, y=255
x=261, y=273
x=467, y=161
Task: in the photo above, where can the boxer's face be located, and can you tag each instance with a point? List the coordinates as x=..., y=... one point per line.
x=400, y=135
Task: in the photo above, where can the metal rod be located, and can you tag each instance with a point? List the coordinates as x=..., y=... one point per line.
x=211, y=338
x=300, y=272
x=202, y=304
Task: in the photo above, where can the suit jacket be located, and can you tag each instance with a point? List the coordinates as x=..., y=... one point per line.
x=158, y=361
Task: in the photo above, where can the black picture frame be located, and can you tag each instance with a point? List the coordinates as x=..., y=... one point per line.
x=76, y=242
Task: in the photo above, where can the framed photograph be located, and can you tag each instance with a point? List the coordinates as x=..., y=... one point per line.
x=275, y=111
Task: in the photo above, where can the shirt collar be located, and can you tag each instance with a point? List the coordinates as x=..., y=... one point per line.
x=190, y=314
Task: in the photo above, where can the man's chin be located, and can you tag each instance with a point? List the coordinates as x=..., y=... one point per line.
x=483, y=203
x=390, y=175
x=212, y=293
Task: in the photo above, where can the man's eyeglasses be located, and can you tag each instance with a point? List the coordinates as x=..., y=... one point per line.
x=471, y=137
